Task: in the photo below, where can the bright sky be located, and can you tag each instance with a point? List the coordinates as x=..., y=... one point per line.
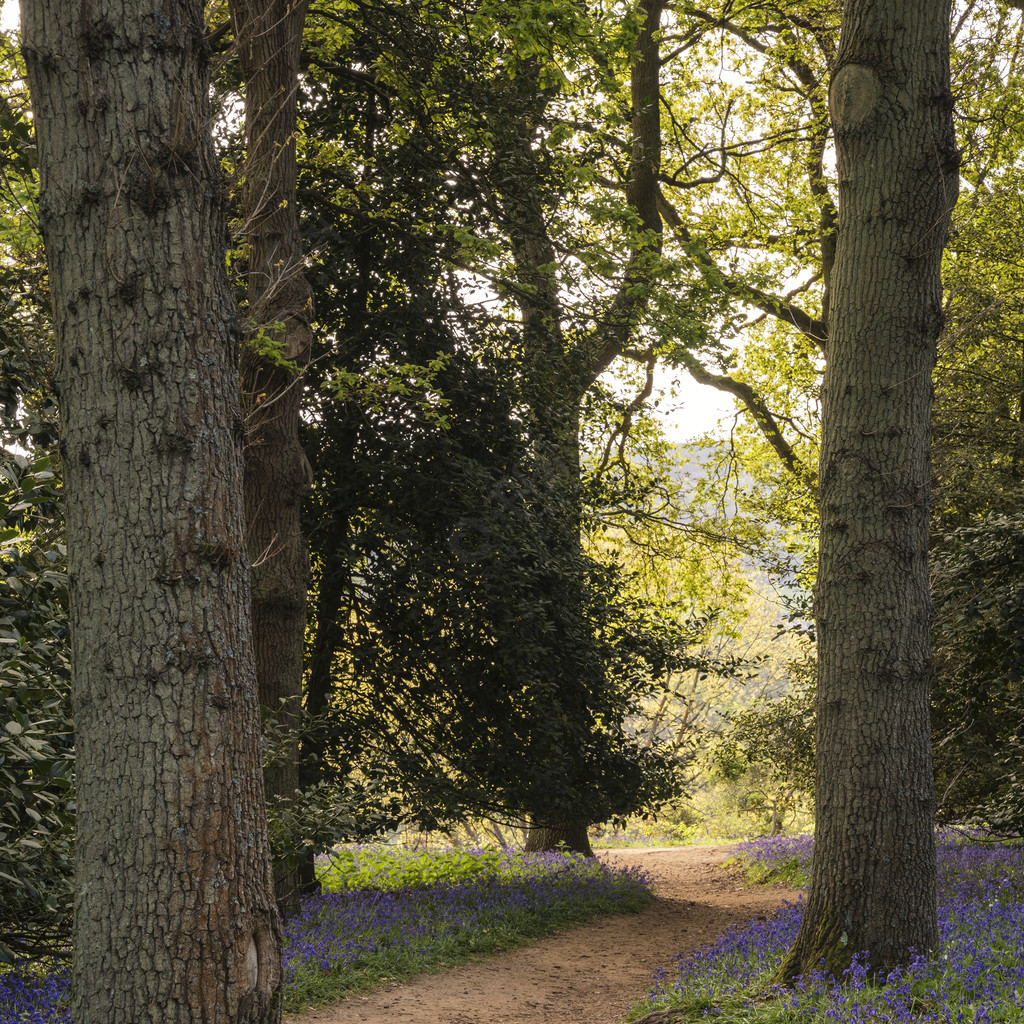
x=696, y=409
x=8, y=15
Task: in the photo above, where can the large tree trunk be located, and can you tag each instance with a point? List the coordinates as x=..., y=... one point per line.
x=571, y=837
x=277, y=474
x=175, y=918
x=873, y=876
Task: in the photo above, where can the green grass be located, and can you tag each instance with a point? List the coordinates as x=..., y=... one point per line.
x=392, y=868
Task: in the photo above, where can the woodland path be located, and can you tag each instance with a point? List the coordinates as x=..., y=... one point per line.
x=590, y=974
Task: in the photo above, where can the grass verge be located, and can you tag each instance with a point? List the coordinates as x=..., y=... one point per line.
x=414, y=913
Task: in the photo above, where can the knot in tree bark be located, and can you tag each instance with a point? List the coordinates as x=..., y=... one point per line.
x=853, y=96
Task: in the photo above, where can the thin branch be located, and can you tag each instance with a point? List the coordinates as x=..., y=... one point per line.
x=774, y=305
x=762, y=415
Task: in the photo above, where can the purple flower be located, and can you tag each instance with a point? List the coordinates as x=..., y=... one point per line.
x=977, y=976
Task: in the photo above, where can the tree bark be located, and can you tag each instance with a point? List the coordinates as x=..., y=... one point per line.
x=175, y=918
x=571, y=837
x=277, y=474
x=873, y=876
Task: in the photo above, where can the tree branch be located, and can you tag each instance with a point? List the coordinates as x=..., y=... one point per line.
x=762, y=415
x=612, y=335
x=773, y=305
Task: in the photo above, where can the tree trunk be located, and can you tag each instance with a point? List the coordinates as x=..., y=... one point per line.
x=571, y=837
x=558, y=430
x=558, y=374
x=873, y=875
x=175, y=918
x=277, y=474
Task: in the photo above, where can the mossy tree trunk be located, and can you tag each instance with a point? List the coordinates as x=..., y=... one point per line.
x=277, y=474
x=873, y=882
x=175, y=919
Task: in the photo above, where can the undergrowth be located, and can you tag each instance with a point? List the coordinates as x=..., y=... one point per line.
x=977, y=978
x=388, y=913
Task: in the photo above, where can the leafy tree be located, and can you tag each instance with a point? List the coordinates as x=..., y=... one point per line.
x=976, y=457
x=419, y=188
x=449, y=638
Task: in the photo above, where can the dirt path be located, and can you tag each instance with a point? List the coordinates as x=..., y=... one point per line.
x=589, y=975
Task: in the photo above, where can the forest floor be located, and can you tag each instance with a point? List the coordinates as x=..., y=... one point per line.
x=590, y=974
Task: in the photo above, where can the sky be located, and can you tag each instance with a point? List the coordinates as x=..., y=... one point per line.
x=694, y=409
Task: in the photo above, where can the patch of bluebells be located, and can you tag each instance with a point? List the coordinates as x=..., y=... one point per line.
x=30, y=997
x=338, y=930
x=977, y=978
x=776, y=854
x=342, y=930
x=741, y=956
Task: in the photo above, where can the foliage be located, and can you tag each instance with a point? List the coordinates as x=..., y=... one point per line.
x=326, y=808
x=393, y=868
x=27, y=407
x=36, y=743
x=639, y=833
x=483, y=700
x=978, y=701
x=978, y=438
x=978, y=451
x=742, y=718
x=771, y=746
x=977, y=977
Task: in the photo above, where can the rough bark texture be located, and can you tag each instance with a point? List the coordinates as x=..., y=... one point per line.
x=277, y=474
x=175, y=918
x=571, y=836
x=873, y=876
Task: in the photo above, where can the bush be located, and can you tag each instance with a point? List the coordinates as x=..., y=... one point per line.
x=36, y=742
x=978, y=699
